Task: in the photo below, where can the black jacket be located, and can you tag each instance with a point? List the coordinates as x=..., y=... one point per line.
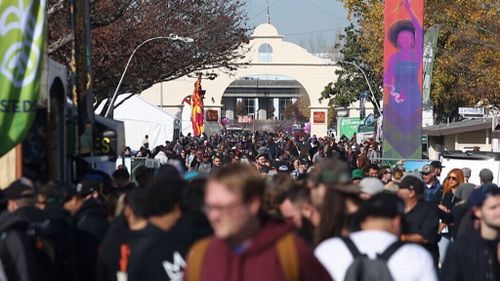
x=91, y=223
x=470, y=259
x=163, y=258
x=15, y=248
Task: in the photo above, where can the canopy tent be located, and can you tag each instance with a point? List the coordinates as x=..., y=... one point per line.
x=142, y=118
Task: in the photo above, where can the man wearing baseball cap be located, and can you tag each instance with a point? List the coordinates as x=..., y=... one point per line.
x=432, y=191
x=475, y=255
x=420, y=221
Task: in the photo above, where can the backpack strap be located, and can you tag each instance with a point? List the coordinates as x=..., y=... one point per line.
x=352, y=248
x=386, y=255
x=288, y=257
x=196, y=258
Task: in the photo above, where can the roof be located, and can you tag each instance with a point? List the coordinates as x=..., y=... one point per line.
x=458, y=127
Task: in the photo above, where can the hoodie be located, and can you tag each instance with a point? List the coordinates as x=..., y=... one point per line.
x=260, y=260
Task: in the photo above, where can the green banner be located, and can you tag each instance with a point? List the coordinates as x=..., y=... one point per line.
x=430, y=42
x=349, y=126
x=22, y=41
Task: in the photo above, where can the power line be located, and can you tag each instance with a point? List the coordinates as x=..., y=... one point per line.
x=325, y=12
x=311, y=32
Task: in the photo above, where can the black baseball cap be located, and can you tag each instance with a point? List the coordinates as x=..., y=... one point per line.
x=413, y=183
x=21, y=188
x=437, y=164
x=382, y=205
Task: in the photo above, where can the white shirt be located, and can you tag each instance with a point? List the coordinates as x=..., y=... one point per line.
x=409, y=263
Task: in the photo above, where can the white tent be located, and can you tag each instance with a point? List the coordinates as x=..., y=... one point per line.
x=142, y=118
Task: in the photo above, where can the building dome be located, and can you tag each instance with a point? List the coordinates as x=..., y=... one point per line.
x=265, y=30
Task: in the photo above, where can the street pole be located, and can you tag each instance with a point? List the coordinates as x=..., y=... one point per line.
x=367, y=82
x=172, y=37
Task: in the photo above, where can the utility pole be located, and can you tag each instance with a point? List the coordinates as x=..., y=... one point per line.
x=81, y=76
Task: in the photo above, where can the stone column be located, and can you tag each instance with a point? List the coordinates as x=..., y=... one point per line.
x=319, y=120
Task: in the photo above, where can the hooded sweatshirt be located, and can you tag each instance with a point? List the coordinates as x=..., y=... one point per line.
x=260, y=261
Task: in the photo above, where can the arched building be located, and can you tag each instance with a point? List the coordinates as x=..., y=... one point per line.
x=281, y=70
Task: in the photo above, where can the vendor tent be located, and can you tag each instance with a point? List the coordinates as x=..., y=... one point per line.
x=142, y=118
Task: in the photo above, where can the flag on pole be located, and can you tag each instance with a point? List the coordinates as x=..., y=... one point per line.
x=197, y=111
x=22, y=41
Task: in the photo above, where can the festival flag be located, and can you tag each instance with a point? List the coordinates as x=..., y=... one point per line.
x=22, y=41
x=197, y=111
x=402, y=127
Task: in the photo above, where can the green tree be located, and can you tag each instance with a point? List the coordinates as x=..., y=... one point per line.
x=350, y=81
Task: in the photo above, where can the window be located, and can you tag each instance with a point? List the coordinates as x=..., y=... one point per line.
x=265, y=53
x=249, y=105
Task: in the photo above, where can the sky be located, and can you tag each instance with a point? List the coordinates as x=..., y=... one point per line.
x=312, y=24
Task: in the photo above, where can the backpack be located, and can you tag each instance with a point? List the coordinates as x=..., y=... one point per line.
x=363, y=268
x=285, y=248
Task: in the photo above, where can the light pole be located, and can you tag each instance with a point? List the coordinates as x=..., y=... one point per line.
x=172, y=37
x=367, y=82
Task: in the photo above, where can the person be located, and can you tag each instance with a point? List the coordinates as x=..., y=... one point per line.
x=420, y=220
x=371, y=170
x=90, y=217
x=145, y=141
x=448, y=200
x=159, y=253
x=380, y=218
x=297, y=207
x=437, y=168
x=356, y=176
x=17, y=251
x=432, y=192
x=475, y=255
x=486, y=176
x=247, y=245
x=370, y=186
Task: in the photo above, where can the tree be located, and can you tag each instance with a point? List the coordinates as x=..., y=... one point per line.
x=119, y=26
x=350, y=81
x=467, y=65
x=240, y=108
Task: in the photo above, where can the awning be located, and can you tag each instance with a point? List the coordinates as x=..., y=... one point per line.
x=458, y=127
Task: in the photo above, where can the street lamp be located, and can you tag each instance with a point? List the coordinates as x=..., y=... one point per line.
x=367, y=82
x=173, y=37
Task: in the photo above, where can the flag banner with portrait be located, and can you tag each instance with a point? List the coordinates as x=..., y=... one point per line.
x=22, y=41
x=403, y=43
x=197, y=109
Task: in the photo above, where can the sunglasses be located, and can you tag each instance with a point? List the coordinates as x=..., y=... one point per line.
x=452, y=178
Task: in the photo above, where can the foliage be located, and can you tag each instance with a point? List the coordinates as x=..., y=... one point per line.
x=350, y=81
x=240, y=108
x=467, y=65
x=119, y=26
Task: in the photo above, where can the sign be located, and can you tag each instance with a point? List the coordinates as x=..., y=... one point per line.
x=212, y=115
x=403, y=78
x=319, y=117
x=244, y=119
x=471, y=112
x=349, y=126
x=22, y=41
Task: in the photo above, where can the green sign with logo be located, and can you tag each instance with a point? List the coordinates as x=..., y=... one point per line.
x=22, y=41
x=349, y=126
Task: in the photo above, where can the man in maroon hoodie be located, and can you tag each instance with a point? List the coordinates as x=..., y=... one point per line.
x=247, y=245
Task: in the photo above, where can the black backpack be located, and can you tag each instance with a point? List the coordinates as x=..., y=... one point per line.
x=363, y=268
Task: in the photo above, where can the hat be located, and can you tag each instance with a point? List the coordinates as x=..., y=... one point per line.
x=356, y=174
x=486, y=175
x=413, y=183
x=480, y=194
x=467, y=172
x=21, y=188
x=371, y=185
x=464, y=191
x=383, y=204
x=282, y=166
x=265, y=155
x=397, y=27
x=85, y=187
x=304, y=161
x=437, y=164
x=426, y=169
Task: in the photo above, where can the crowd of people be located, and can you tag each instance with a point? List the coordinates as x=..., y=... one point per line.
x=263, y=206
